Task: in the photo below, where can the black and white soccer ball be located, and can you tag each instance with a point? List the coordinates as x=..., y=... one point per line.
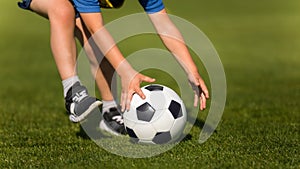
x=158, y=119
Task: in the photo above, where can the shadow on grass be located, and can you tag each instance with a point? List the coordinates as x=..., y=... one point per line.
x=89, y=128
x=93, y=135
x=199, y=123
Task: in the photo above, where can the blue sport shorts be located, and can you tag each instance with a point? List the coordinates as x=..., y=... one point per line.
x=152, y=6
x=93, y=6
x=87, y=6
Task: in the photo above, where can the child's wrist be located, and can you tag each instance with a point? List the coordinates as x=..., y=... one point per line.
x=191, y=70
x=124, y=68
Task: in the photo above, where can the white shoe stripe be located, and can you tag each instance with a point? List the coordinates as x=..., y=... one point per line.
x=77, y=119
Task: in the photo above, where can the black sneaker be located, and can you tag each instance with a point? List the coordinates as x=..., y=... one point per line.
x=79, y=104
x=112, y=122
x=25, y=4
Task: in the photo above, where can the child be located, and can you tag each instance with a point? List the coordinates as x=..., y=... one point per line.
x=79, y=104
x=90, y=13
x=91, y=16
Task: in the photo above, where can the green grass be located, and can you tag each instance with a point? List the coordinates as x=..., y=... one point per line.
x=258, y=43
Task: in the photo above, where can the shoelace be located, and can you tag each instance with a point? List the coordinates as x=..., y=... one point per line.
x=118, y=119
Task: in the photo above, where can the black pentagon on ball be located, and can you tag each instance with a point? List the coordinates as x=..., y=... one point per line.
x=145, y=112
x=131, y=132
x=175, y=109
x=132, y=135
x=154, y=88
x=162, y=138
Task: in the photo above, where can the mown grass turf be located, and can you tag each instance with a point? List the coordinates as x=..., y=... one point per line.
x=258, y=43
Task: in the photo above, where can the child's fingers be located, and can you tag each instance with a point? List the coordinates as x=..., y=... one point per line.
x=204, y=94
x=130, y=95
x=196, y=99
x=140, y=93
x=123, y=100
x=128, y=100
x=202, y=101
x=204, y=89
x=148, y=79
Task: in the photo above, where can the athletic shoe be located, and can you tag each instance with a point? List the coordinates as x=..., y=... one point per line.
x=112, y=122
x=79, y=104
x=25, y=4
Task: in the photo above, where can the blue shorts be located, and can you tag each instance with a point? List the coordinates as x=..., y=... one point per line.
x=93, y=6
x=152, y=6
x=87, y=6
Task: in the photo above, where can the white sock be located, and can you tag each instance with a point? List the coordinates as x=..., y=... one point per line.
x=68, y=83
x=107, y=104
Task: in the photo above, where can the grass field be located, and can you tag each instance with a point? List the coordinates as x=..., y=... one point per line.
x=258, y=43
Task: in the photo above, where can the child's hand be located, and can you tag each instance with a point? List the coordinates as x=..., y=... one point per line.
x=130, y=85
x=200, y=90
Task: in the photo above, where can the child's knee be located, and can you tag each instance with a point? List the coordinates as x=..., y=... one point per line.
x=62, y=11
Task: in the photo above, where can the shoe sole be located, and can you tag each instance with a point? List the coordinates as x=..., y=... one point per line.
x=76, y=119
x=103, y=126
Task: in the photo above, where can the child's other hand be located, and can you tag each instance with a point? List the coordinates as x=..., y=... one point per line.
x=200, y=90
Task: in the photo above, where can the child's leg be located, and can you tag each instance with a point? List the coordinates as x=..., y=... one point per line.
x=61, y=17
x=96, y=59
x=103, y=72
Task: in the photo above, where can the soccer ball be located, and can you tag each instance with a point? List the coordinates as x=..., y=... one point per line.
x=158, y=119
